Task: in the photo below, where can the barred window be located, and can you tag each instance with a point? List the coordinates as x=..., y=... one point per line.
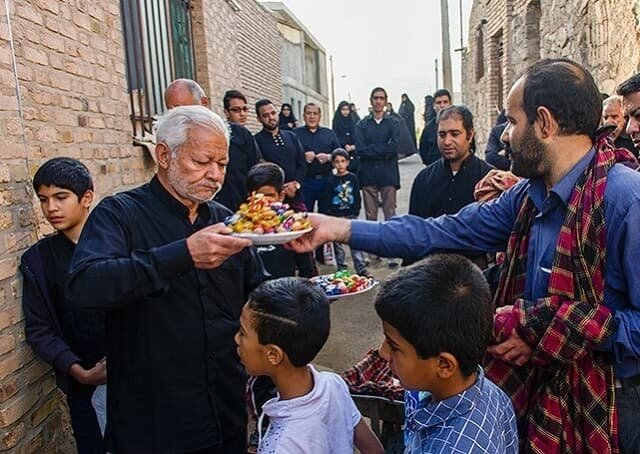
x=159, y=48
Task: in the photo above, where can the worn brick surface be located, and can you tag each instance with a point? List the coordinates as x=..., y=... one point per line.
x=600, y=34
x=71, y=76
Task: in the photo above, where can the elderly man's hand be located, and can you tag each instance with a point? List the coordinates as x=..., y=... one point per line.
x=514, y=350
x=212, y=246
x=326, y=229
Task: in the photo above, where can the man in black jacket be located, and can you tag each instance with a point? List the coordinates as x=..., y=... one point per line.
x=160, y=261
x=428, y=139
x=377, y=138
x=446, y=186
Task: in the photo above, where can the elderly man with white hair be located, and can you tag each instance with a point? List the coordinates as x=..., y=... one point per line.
x=160, y=262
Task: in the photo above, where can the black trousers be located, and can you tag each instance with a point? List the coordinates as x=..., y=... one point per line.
x=84, y=422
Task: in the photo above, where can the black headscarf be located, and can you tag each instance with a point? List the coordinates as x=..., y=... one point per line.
x=429, y=111
x=344, y=127
x=284, y=121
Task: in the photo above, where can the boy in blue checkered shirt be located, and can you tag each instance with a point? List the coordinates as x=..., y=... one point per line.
x=437, y=319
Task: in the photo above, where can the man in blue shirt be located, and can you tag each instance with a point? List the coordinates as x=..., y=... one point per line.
x=551, y=147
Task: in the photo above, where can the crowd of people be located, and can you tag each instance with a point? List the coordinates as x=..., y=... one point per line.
x=513, y=326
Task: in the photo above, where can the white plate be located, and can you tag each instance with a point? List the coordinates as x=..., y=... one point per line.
x=264, y=239
x=372, y=283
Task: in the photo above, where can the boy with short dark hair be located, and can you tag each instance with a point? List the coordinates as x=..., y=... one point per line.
x=437, y=319
x=283, y=326
x=71, y=341
x=341, y=198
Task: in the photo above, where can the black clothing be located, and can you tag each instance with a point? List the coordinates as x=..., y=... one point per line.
x=624, y=141
x=58, y=332
x=243, y=154
x=323, y=140
x=494, y=146
x=278, y=261
x=428, y=149
x=406, y=145
x=377, y=147
x=342, y=196
x=407, y=112
x=436, y=191
x=175, y=381
x=284, y=149
x=345, y=130
x=283, y=122
x=61, y=334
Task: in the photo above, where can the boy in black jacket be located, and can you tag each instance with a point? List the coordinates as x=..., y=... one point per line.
x=71, y=341
x=341, y=198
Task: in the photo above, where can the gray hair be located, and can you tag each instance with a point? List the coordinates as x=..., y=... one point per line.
x=612, y=100
x=174, y=126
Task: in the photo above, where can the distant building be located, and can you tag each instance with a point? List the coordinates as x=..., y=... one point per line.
x=304, y=64
x=506, y=36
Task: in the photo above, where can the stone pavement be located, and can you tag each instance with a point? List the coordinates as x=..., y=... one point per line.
x=355, y=328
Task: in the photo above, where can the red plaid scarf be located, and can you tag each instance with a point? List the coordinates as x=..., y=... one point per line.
x=564, y=396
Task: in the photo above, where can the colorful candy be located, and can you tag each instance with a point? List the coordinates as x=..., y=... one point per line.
x=342, y=283
x=263, y=215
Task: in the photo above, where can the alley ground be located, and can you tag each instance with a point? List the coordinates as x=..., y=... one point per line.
x=355, y=328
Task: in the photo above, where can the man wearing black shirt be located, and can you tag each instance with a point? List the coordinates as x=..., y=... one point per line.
x=173, y=282
x=282, y=148
x=243, y=150
x=446, y=186
x=429, y=138
x=318, y=143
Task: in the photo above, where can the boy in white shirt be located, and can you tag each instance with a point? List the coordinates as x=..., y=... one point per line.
x=283, y=326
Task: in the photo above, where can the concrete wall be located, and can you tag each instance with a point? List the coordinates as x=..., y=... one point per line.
x=600, y=34
x=74, y=102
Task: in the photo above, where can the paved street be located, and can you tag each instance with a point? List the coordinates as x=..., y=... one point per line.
x=355, y=328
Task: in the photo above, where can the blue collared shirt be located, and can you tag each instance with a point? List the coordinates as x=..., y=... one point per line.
x=486, y=228
x=479, y=420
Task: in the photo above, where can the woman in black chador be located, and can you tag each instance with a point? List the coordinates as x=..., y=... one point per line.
x=407, y=111
x=288, y=121
x=344, y=126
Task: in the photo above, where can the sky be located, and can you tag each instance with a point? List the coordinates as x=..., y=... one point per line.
x=385, y=43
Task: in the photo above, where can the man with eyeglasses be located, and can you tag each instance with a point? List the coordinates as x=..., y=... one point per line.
x=244, y=152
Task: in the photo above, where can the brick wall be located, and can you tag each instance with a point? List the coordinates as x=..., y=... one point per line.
x=600, y=34
x=71, y=75
x=237, y=50
x=70, y=70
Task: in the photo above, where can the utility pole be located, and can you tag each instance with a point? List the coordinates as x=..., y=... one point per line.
x=333, y=86
x=437, y=81
x=446, y=47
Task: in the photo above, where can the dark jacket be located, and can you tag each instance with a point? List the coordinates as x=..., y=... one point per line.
x=244, y=153
x=495, y=146
x=43, y=328
x=407, y=112
x=428, y=149
x=341, y=197
x=436, y=191
x=624, y=141
x=377, y=148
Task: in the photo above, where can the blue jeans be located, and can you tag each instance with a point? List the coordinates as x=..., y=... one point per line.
x=359, y=262
x=312, y=189
x=628, y=405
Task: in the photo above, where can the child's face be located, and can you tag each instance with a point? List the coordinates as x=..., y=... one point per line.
x=414, y=372
x=271, y=192
x=340, y=164
x=62, y=208
x=250, y=350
